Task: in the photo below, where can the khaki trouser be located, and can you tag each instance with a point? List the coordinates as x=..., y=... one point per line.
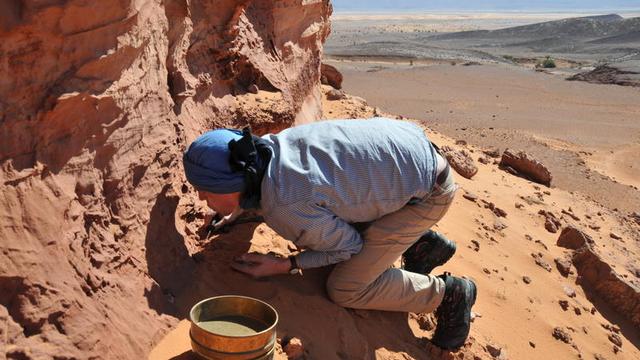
x=368, y=280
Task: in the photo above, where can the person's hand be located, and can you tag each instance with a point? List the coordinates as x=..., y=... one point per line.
x=258, y=265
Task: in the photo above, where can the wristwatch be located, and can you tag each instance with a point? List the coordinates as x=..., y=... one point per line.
x=295, y=269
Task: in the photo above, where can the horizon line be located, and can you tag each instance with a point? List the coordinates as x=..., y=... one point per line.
x=388, y=10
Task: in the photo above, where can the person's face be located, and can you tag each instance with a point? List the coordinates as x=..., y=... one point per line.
x=223, y=204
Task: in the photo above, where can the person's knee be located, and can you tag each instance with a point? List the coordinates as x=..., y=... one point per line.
x=339, y=295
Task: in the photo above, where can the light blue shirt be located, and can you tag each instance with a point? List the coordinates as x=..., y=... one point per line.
x=326, y=175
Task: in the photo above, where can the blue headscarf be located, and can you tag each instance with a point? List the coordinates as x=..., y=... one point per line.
x=206, y=163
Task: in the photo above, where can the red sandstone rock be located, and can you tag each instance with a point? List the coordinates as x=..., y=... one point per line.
x=573, y=238
x=334, y=94
x=294, y=349
x=551, y=222
x=460, y=161
x=598, y=276
x=331, y=76
x=526, y=166
x=563, y=266
x=470, y=196
x=562, y=335
x=99, y=100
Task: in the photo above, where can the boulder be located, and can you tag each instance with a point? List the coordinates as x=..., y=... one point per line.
x=461, y=161
x=330, y=76
x=573, y=238
x=334, y=95
x=526, y=166
x=598, y=276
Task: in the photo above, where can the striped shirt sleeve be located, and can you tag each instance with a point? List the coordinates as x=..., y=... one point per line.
x=327, y=238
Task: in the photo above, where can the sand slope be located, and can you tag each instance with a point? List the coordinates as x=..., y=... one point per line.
x=516, y=317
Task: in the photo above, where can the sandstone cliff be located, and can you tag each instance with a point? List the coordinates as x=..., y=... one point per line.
x=98, y=99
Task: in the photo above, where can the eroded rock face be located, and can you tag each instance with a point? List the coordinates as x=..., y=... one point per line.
x=98, y=100
x=598, y=276
x=524, y=165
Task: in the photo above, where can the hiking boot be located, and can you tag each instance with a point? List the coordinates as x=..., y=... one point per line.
x=431, y=250
x=454, y=313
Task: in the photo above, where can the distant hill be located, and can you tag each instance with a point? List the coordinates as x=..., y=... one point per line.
x=583, y=27
x=630, y=37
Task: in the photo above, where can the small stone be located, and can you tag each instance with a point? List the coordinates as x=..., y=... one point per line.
x=615, y=339
x=253, y=88
x=294, y=349
x=499, y=225
x=496, y=210
x=542, y=244
x=486, y=271
x=577, y=311
x=470, y=196
x=461, y=142
x=492, y=152
x=519, y=206
x=496, y=352
x=532, y=344
x=564, y=304
x=550, y=226
x=475, y=315
x=334, y=94
x=569, y=291
x=615, y=236
x=425, y=321
x=615, y=329
x=526, y=279
x=562, y=335
x=563, y=266
x=476, y=245
x=540, y=261
x=499, y=212
x=599, y=357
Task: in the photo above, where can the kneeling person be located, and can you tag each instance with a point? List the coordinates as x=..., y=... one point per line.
x=356, y=193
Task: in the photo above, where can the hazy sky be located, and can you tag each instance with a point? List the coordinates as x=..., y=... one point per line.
x=571, y=5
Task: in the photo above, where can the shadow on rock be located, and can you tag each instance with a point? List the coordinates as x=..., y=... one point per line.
x=168, y=260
